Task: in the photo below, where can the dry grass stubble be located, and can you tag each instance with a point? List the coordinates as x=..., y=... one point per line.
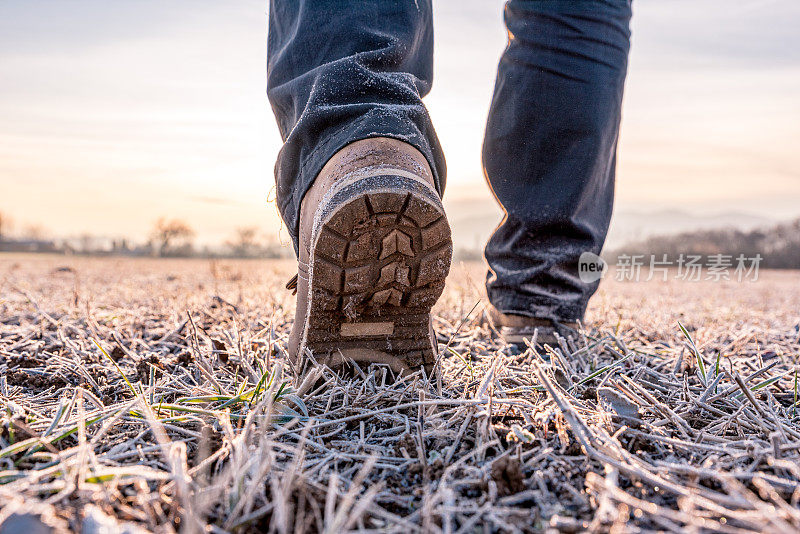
x=155, y=396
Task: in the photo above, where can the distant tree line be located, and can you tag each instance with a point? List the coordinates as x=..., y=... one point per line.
x=169, y=238
x=779, y=246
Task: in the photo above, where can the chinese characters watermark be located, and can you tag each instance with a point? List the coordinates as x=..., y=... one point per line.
x=684, y=267
x=687, y=267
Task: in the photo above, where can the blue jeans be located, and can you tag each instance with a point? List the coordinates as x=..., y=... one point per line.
x=340, y=71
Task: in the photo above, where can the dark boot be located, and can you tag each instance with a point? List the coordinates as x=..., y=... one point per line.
x=516, y=329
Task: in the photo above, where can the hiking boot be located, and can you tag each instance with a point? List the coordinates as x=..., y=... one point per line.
x=515, y=329
x=375, y=250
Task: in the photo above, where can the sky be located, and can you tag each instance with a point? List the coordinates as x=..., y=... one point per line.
x=113, y=114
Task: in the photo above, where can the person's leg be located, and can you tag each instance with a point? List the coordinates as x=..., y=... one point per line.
x=339, y=71
x=550, y=148
x=360, y=177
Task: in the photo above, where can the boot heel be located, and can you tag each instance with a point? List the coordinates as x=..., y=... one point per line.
x=380, y=253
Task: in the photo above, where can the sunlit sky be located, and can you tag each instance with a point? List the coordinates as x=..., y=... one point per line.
x=113, y=114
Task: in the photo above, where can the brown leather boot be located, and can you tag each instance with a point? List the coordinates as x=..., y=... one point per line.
x=515, y=329
x=375, y=250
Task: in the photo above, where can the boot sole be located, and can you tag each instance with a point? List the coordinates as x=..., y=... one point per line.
x=381, y=250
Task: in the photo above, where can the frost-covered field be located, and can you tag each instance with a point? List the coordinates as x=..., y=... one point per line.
x=153, y=395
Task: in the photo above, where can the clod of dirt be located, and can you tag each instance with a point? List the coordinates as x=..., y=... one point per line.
x=185, y=358
x=117, y=353
x=559, y=376
x=24, y=361
x=220, y=349
x=622, y=410
x=408, y=443
x=34, y=381
x=507, y=474
x=143, y=367
x=18, y=517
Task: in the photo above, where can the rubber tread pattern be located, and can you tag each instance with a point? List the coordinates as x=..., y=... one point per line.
x=381, y=253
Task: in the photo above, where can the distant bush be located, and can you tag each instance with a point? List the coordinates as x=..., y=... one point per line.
x=778, y=246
